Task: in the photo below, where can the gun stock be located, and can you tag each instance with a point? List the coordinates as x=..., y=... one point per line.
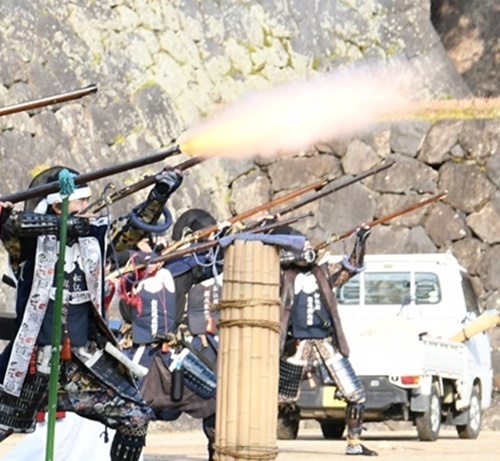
x=383, y=219
x=49, y=100
x=45, y=189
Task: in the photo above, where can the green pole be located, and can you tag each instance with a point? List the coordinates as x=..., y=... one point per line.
x=66, y=190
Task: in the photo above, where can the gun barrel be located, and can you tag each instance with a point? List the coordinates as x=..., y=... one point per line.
x=207, y=245
x=331, y=190
x=179, y=253
x=44, y=189
x=381, y=220
x=318, y=185
x=49, y=100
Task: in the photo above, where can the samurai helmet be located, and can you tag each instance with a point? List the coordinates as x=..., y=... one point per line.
x=41, y=205
x=191, y=221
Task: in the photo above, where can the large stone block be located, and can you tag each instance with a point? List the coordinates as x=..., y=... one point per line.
x=489, y=268
x=407, y=174
x=468, y=189
x=294, y=172
x=486, y=222
x=444, y=225
x=439, y=142
x=469, y=252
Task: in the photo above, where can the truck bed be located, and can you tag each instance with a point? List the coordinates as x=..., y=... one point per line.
x=408, y=356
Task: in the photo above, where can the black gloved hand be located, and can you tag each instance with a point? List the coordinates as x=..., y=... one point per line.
x=168, y=181
x=78, y=226
x=5, y=211
x=363, y=232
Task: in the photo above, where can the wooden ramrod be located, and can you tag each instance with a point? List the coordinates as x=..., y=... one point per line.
x=48, y=101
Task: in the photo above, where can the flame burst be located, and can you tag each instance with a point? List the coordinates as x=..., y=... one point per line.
x=296, y=115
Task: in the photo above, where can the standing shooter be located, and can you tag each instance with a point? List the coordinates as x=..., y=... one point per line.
x=92, y=382
x=312, y=332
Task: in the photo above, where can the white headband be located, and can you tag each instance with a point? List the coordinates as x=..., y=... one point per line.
x=43, y=205
x=82, y=192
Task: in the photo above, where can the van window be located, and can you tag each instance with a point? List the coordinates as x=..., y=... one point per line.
x=349, y=292
x=389, y=288
x=471, y=301
x=427, y=288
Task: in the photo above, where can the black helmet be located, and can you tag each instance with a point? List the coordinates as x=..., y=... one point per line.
x=46, y=177
x=286, y=230
x=191, y=221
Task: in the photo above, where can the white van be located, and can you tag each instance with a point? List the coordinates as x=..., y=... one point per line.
x=398, y=316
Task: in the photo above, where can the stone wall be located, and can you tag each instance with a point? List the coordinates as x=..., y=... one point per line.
x=161, y=66
x=469, y=31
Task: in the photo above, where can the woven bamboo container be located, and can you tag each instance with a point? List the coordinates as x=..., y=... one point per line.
x=247, y=381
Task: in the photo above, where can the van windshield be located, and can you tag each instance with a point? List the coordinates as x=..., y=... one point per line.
x=389, y=288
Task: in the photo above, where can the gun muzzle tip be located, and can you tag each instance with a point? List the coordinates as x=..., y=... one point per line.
x=185, y=149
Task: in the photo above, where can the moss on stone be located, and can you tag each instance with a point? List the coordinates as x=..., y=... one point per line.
x=96, y=59
x=147, y=84
x=316, y=63
x=393, y=49
x=268, y=37
x=120, y=139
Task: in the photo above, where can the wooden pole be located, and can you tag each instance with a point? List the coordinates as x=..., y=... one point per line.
x=272, y=260
x=49, y=100
x=258, y=367
x=222, y=364
x=247, y=382
x=67, y=187
x=233, y=359
x=56, y=337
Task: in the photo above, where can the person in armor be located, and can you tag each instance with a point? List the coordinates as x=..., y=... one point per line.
x=169, y=330
x=197, y=271
x=92, y=381
x=312, y=340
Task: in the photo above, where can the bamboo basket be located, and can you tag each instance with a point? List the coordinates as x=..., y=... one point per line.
x=248, y=363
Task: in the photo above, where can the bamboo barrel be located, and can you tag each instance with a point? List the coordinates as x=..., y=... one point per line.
x=484, y=322
x=248, y=363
